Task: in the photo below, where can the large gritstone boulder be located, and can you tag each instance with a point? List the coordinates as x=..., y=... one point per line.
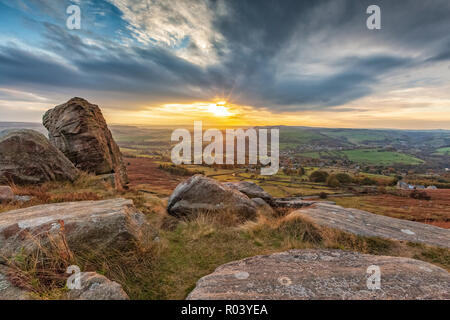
x=26, y=156
x=200, y=194
x=78, y=129
x=250, y=189
x=324, y=274
x=86, y=225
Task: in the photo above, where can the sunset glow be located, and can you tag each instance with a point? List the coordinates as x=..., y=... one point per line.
x=167, y=64
x=219, y=110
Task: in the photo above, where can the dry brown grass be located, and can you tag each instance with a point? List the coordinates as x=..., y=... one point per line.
x=86, y=187
x=193, y=248
x=401, y=206
x=188, y=248
x=43, y=270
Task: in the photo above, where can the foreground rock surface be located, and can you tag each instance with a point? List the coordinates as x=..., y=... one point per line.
x=322, y=274
x=97, y=287
x=373, y=225
x=92, y=225
x=251, y=190
x=26, y=156
x=6, y=194
x=78, y=129
x=7, y=290
x=200, y=194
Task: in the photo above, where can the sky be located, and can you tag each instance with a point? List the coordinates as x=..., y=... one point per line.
x=230, y=62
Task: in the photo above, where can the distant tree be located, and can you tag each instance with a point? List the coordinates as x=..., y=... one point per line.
x=301, y=171
x=288, y=171
x=343, y=178
x=318, y=176
x=368, y=182
x=333, y=182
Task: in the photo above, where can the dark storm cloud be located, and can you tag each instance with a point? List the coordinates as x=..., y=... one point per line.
x=101, y=66
x=257, y=32
x=18, y=66
x=265, y=49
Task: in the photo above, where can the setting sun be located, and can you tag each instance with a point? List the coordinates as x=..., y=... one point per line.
x=219, y=109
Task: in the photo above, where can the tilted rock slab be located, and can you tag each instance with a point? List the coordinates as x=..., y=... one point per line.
x=97, y=287
x=78, y=129
x=200, y=194
x=322, y=274
x=250, y=189
x=7, y=290
x=373, y=225
x=92, y=225
x=26, y=156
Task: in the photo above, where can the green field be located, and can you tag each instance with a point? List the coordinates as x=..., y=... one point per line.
x=367, y=156
x=364, y=147
x=443, y=151
x=290, y=138
x=357, y=137
x=377, y=157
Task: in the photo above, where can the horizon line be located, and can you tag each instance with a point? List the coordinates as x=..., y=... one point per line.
x=244, y=126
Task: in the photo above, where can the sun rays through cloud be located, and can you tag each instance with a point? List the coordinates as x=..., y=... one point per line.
x=309, y=63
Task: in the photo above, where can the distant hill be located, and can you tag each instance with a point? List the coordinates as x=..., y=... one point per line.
x=23, y=125
x=368, y=146
x=356, y=138
x=379, y=146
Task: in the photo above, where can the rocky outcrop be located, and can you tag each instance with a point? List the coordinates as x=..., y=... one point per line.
x=78, y=129
x=7, y=290
x=323, y=274
x=26, y=156
x=86, y=225
x=250, y=189
x=263, y=207
x=373, y=225
x=97, y=287
x=6, y=194
x=200, y=194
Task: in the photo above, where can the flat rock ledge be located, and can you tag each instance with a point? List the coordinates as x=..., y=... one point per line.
x=93, y=225
x=373, y=225
x=320, y=275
